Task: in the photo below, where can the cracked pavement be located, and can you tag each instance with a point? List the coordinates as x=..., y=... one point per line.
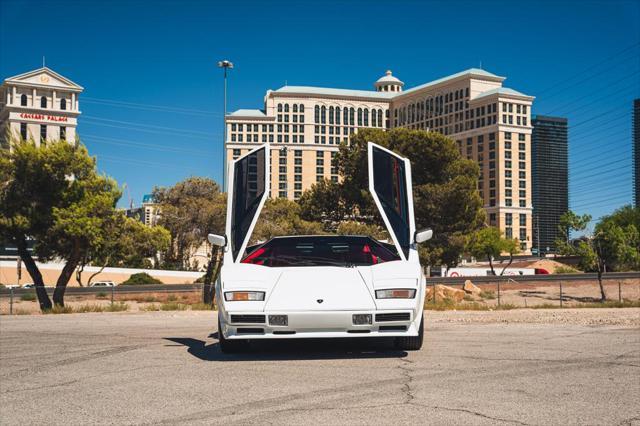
x=166, y=368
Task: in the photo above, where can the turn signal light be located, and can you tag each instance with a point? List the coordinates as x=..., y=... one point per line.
x=396, y=293
x=237, y=296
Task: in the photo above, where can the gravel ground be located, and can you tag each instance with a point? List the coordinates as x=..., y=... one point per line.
x=525, y=367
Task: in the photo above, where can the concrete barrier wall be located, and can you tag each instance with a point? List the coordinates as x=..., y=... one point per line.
x=51, y=271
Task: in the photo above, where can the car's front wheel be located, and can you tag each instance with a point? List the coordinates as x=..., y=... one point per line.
x=411, y=343
x=230, y=346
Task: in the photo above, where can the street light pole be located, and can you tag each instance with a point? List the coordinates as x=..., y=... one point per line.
x=224, y=65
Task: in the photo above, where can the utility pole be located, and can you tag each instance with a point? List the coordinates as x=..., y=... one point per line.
x=225, y=65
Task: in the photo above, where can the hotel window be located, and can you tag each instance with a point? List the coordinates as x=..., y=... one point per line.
x=301, y=108
x=240, y=137
x=236, y=152
x=492, y=193
x=233, y=127
x=507, y=135
x=297, y=153
x=518, y=108
x=520, y=136
x=323, y=114
x=507, y=183
x=522, y=175
x=280, y=138
x=352, y=113
x=279, y=117
x=240, y=127
x=507, y=154
x=508, y=202
x=316, y=114
x=522, y=156
x=523, y=220
x=295, y=107
x=492, y=219
x=43, y=102
x=23, y=130
x=264, y=138
x=374, y=121
x=359, y=116
x=379, y=118
x=270, y=138
x=337, y=115
x=522, y=165
x=523, y=203
x=301, y=138
x=330, y=115
x=508, y=233
x=507, y=193
x=522, y=193
x=508, y=219
x=507, y=164
x=279, y=107
x=523, y=184
x=510, y=107
x=523, y=234
x=43, y=132
x=366, y=117
x=63, y=133
x=521, y=147
x=23, y=100
x=63, y=104
x=524, y=121
x=286, y=107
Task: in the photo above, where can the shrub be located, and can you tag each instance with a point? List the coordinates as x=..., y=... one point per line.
x=173, y=306
x=57, y=309
x=566, y=270
x=28, y=297
x=116, y=307
x=202, y=307
x=487, y=294
x=101, y=295
x=171, y=298
x=141, y=278
x=151, y=307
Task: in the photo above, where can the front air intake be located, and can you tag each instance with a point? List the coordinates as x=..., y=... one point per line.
x=395, y=316
x=250, y=331
x=247, y=319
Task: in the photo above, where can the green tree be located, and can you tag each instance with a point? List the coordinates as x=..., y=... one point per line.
x=53, y=194
x=281, y=216
x=190, y=210
x=127, y=243
x=490, y=244
x=445, y=191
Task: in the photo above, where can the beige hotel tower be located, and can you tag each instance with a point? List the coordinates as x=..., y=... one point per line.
x=490, y=123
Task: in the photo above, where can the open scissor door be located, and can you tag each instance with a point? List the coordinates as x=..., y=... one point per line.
x=248, y=191
x=390, y=186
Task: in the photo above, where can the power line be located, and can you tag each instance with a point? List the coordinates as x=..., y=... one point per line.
x=149, y=107
x=161, y=132
x=607, y=60
x=609, y=95
x=603, y=201
x=129, y=143
x=151, y=126
x=571, y=169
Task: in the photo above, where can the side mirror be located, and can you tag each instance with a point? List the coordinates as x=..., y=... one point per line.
x=423, y=235
x=217, y=240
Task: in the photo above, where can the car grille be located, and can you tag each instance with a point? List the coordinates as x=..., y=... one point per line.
x=393, y=328
x=396, y=316
x=248, y=319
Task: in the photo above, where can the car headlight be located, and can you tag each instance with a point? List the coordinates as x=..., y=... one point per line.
x=237, y=296
x=396, y=293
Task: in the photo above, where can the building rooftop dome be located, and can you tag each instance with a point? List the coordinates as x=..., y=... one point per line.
x=388, y=81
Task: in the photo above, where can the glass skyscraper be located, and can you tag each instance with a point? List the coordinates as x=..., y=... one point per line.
x=550, y=181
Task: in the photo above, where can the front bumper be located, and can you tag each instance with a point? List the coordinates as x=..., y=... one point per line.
x=318, y=324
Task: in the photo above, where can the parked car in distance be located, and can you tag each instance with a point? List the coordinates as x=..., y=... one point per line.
x=103, y=284
x=28, y=285
x=10, y=286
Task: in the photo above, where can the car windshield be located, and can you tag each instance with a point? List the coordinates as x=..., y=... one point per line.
x=345, y=251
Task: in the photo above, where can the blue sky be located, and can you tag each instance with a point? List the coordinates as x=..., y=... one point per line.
x=152, y=106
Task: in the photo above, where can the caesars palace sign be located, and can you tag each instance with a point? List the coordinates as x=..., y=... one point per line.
x=44, y=117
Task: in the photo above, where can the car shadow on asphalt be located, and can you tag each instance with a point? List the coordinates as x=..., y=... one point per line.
x=294, y=349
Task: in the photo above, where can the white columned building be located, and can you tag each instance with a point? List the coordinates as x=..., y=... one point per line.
x=39, y=105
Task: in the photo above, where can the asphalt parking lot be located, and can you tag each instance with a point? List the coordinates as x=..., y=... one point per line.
x=475, y=368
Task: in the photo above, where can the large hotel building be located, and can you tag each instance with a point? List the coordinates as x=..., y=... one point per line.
x=490, y=123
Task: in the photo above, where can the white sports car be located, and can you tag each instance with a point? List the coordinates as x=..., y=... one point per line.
x=320, y=286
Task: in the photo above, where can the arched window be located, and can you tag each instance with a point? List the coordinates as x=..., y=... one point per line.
x=379, y=118
x=286, y=107
x=323, y=114
x=374, y=121
x=330, y=115
x=359, y=116
x=279, y=107
x=345, y=114
x=338, y=115
x=43, y=102
x=301, y=107
x=295, y=107
x=317, y=114
x=63, y=103
x=23, y=101
x=366, y=117
x=352, y=113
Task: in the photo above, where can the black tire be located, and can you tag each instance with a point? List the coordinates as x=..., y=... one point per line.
x=230, y=346
x=411, y=343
